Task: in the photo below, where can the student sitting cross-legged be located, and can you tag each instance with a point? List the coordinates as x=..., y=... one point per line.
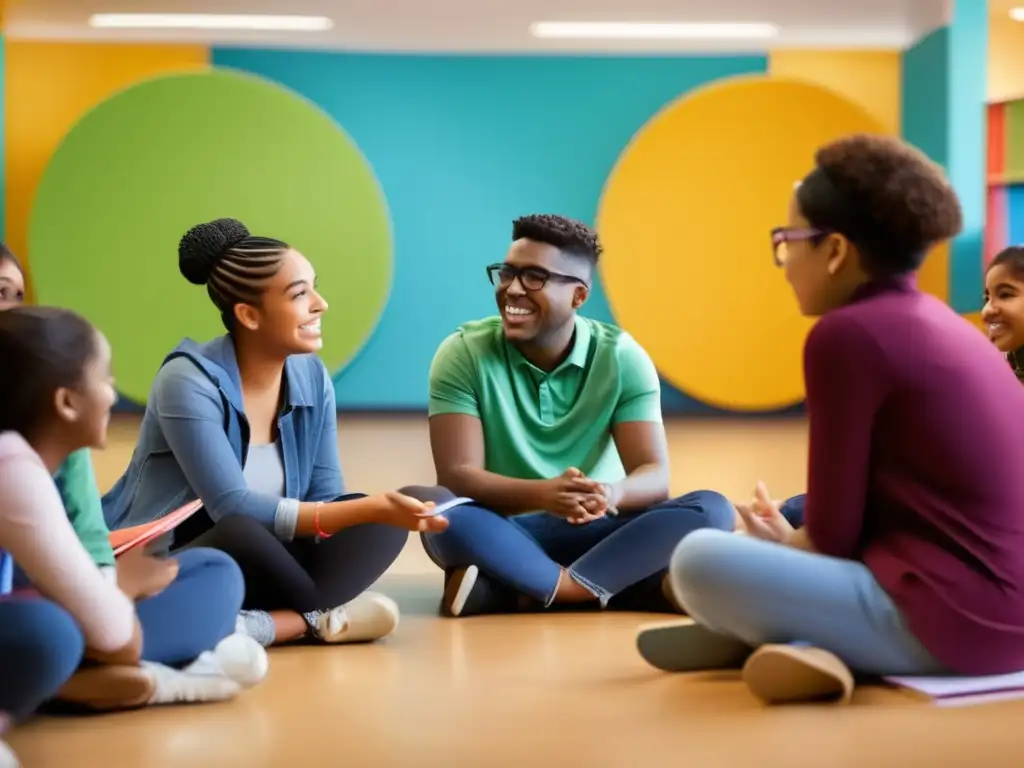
x=126, y=630
x=910, y=558
x=247, y=423
x=552, y=424
x=205, y=586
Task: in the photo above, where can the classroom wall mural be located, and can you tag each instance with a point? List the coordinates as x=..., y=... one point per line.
x=399, y=177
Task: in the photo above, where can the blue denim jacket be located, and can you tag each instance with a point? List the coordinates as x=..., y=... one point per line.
x=194, y=440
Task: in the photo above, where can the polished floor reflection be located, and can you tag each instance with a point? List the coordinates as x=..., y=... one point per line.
x=555, y=690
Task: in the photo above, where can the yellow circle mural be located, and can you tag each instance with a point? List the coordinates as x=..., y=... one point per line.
x=685, y=218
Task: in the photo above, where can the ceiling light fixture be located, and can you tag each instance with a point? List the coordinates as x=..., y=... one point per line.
x=1017, y=14
x=210, y=21
x=629, y=30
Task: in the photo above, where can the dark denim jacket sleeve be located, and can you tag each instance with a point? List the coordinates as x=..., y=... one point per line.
x=191, y=415
x=326, y=482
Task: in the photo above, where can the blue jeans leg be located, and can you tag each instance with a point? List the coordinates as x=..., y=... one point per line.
x=41, y=646
x=196, y=611
x=528, y=552
x=613, y=553
x=501, y=549
x=793, y=510
x=761, y=592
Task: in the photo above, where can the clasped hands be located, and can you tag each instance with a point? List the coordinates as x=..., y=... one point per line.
x=762, y=517
x=577, y=499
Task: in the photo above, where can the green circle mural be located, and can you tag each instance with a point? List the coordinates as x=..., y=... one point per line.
x=141, y=168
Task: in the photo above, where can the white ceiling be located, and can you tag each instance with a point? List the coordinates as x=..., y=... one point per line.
x=499, y=25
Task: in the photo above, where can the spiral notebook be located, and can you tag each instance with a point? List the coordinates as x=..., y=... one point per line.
x=140, y=535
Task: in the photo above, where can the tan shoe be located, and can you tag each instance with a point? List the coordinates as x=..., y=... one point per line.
x=782, y=674
x=371, y=616
x=106, y=688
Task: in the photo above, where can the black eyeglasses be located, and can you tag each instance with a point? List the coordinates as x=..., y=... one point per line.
x=531, y=278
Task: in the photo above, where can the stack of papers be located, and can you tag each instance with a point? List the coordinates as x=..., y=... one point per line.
x=964, y=691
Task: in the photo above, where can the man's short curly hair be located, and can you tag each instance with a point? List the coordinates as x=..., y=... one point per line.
x=885, y=196
x=568, y=235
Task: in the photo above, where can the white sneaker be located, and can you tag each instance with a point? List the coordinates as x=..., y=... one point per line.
x=7, y=757
x=371, y=616
x=242, y=659
x=201, y=681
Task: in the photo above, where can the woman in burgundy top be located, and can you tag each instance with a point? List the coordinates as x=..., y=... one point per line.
x=911, y=557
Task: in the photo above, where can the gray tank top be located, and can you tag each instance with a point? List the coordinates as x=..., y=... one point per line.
x=264, y=469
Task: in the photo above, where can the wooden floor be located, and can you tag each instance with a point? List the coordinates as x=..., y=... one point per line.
x=559, y=690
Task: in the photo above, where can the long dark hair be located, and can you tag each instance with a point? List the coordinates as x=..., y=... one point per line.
x=42, y=349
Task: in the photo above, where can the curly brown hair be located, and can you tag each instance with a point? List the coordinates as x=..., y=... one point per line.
x=568, y=235
x=887, y=197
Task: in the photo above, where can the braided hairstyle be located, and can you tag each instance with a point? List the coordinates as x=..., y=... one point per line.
x=234, y=265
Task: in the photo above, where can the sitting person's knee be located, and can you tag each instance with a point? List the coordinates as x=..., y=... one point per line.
x=52, y=643
x=696, y=562
x=435, y=493
x=464, y=522
x=210, y=559
x=206, y=557
x=718, y=510
x=214, y=567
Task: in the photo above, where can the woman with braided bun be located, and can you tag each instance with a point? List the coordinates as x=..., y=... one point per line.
x=247, y=423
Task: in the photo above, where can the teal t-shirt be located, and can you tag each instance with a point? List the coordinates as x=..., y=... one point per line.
x=76, y=482
x=537, y=424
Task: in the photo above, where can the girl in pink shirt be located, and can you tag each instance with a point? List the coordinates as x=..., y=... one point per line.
x=55, y=397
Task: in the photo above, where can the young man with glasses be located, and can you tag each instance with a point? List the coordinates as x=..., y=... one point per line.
x=551, y=423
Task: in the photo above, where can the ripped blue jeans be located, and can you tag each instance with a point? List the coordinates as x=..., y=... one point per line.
x=528, y=552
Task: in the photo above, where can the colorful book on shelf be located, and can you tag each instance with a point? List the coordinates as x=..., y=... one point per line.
x=963, y=691
x=140, y=535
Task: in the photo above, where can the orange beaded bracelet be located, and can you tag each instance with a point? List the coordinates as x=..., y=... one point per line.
x=316, y=522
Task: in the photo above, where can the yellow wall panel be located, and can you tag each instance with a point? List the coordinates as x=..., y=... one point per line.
x=934, y=275
x=1005, y=59
x=49, y=87
x=871, y=78
x=730, y=216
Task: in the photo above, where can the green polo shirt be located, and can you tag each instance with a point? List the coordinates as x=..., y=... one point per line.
x=538, y=424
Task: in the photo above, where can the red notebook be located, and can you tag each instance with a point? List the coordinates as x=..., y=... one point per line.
x=140, y=535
